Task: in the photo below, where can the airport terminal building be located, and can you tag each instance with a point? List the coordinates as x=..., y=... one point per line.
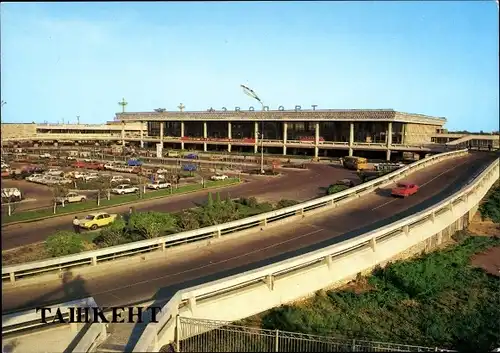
x=307, y=132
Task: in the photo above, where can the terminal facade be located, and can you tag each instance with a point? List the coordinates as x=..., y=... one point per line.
x=289, y=132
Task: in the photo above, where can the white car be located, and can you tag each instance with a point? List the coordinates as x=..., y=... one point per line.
x=34, y=177
x=54, y=172
x=4, y=165
x=78, y=175
x=71, y=158
x=109, y=166
x=45, y=155
x=119, y=179
x=162, y=171
x=125, y=189
x=219, y=177
x=159, y=184
x=124, y=169
x=91, y=176
x=71, y=197
x=11, y=195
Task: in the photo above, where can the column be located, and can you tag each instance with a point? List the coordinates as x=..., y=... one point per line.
x=285, y=137
x=142, y=134
x=403, y=133
x=389, y=141
x=256, y=134
x=229, y=136
x=204, y=136
x=162, y=125
x=123, y=133
x=182, y=135
x=351, y=138
x=316, y=140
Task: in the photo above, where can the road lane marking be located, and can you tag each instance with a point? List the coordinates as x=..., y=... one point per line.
x=209, y=264
x=421, y=186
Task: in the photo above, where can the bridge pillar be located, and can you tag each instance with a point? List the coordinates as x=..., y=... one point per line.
x=388, y=155
x=329, y=262
x=142, y=135
x=270, y=282
x=373, y=244
x=192, y=304
x=284, y=150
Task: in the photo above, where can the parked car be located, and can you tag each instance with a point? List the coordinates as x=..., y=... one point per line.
x=162, y=171
x=11, y=195
x=71, y=158
x=78, y=175
x=45, y=155
x=109, y=166
x=96, y=220
x=55, y=172
x=119, y=179
x=159, y=184
x=191, y=156
x=71, y=197
x=219, y=177
x=134, y=162
x=33, y=177
x=189, y=167
x=91, y=176
x=124, y=189
x=404, y=189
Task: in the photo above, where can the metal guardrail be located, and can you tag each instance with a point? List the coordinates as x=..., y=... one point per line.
x=93, y=258
x=29, y=319
x=153, y=333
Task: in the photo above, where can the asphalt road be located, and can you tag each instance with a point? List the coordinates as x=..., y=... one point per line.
x=298, y=185
x=158, y=279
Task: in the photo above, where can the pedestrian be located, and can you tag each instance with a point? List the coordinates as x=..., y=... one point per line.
x=130, y=210
x=76, y=225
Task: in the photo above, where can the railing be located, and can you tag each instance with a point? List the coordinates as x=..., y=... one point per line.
x=30, y=318
x=93, y=258
x=221, y=336
x=366, y=250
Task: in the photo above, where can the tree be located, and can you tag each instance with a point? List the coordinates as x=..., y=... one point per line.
x=188, y=220
x=152, y=224
x=59, y=191
x=210, y=200
x=103, y=188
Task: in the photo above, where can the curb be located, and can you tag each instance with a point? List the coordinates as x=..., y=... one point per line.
x=120, y=204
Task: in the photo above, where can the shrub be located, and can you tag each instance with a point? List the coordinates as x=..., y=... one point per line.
x=64, y=243
x=285, y=203
x=334, y=188
x=112, y=235
x=152, y=224
x=491, y=207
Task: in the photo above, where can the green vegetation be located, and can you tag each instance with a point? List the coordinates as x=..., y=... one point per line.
x=148, y=225
x=437, y=300
x=64, y=243
x=491, y=207
x=114, y=201
x=334, y=188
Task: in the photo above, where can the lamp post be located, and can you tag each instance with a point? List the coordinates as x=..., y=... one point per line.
x=249, y=92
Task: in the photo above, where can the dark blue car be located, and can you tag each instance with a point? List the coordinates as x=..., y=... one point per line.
x=189, y=167
x=192, y=156
x=134, y=162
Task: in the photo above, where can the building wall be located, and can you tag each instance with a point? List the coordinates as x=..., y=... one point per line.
x=18, y=130
x=418, y=134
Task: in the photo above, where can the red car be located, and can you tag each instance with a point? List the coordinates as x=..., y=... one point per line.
x=404, y=189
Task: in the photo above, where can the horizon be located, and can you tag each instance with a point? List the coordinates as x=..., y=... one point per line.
x=63, y=60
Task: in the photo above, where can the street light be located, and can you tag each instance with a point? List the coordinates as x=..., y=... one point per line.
x=249, y=92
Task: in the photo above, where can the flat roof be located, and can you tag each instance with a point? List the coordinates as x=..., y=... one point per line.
x=285, y=115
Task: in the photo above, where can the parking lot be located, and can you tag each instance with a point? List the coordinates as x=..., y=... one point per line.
x=39, y=189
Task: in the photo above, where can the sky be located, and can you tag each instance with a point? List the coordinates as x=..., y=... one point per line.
x=63, y=60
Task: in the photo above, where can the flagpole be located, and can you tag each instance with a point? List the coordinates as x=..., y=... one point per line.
x=251, y=93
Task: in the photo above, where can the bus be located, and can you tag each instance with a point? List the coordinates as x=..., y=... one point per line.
x=355, y=163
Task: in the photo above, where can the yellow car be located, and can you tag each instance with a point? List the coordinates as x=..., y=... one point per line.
x=96, y=220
